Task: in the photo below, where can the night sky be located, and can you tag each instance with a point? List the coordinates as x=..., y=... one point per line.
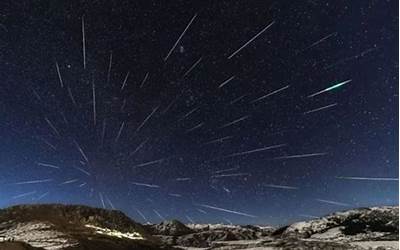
x=249, y=112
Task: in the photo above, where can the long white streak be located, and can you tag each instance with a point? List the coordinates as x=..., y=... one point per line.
x=42, y=196
x=180, y=37
x=279, y=186
x=230, y=175
x=190, y=219
x=120, y=131
x=269, y=94
x=144, y=79
x=81, y=151
x=24, y=194
x=158, y=214
x=47, y=165
x=226, y=81
x=148, y=163
x=145, y=184
x=195, y=127
x=94, y=103
x=321, y=40
x=83, y=43
x=147, y=118
x=188, y=113
x=300, y=156
x=333, y=202
x=174, y=195
x=192, y=67
x=141, y=214
x=110, y=203
x=183, y=179
x=59, y=75
x=138, y=147
x=36, y=95
x=255, y=150
x=125, y=80
x=170, y=105
x=109, y=67
x=82, y=184
x=319, y=109
x=71, y=96
x=102, y=200
x=367, y=178
x=52, y=126
x=309, y=216
x=48, y=143
x=33, y=182
x=69, y=181
x=226, y=170
x=228, y=211
x=201, y=211
x=235, y=121
x=238, y=99
x=252, y=39
x=82, y=170
x=218, y=140
x=330, y=88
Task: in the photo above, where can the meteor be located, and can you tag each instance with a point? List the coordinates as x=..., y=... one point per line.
x=319, y=109
x=367, y=178
x=333, y=202
x=299, y=156
x=227, y=210
x=279, y=186
x=145, y=185
x=252, y=39
x=255, y=150
x=330, y=88
x=226, y=81
x=48, y=165
x=272, y=93
x=33, y=181
x=180, y=37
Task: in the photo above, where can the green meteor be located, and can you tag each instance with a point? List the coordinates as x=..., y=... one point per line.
x=330, y=88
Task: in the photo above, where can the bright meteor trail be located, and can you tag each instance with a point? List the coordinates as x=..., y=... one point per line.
x=330, y=88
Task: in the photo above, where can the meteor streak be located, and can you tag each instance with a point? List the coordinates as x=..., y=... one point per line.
x=48, y=165
x=180, y=37
x=299, y=156
x=125, y=79
x=230, y=175
x=192, y=67
x=252, y=39
x=319, y=109
x=145, y=185
x=330, y=88
x=333, y=202
x=366, y=178
x=226, y=81
x=145, y=120
x=227, y=210
x=24, y=194
x=59, y=75
x=255, y=150
x=235, y=121
x=144, y=80
x=272, y=93
x=33, y=182
x=280, y=186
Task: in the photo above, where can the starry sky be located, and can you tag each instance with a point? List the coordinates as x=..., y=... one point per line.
x=244, y=112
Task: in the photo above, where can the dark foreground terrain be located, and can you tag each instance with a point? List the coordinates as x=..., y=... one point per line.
x=57, y=226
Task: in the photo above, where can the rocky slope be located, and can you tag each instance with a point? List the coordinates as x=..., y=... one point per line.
x=56, y=227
